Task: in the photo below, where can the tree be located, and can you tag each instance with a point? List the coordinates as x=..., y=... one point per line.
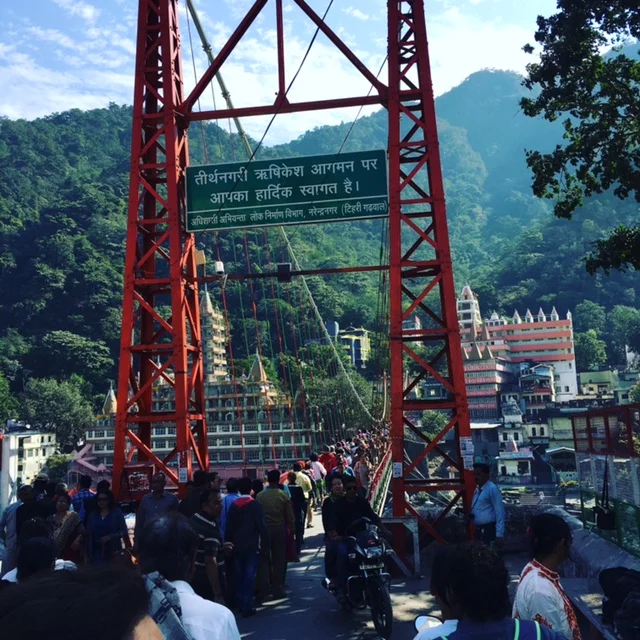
x=634, y=394
x=591, y=352
x=63, y=353
x=433, y=422
x=57, y=467
x=8, y=403
x=57, y=406
x=599, y=98
x=624, y=323
x=589, y=315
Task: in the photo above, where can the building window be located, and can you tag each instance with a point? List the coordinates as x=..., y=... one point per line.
x=171, y=431
x=160, y=431
x=237, y=455
x=236, y=442
x=505, y=437
x=533, y=432
x=98, y=434
x=516, y=436
x=566, y=389
x=229, y=417
x=541, y=431
x=111, y=433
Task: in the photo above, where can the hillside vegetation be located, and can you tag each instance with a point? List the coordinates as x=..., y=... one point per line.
x=63, y=190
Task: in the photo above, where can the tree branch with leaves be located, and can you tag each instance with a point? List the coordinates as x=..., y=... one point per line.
x=598, y=95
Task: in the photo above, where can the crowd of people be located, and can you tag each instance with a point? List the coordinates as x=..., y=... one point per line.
x=193, y=561
x=227, y=550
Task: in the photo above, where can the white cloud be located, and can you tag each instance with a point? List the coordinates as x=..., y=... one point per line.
x=98, y=66
x=356, y=13
x=55, y=36
x=84, y=10
x=461, y=44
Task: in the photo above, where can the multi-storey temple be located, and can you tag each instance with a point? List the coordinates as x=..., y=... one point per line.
x=251, y=424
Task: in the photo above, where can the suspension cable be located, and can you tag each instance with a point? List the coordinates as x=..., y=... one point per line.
x=252, y=155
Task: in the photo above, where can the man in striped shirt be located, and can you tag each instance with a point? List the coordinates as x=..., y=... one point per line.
x=208, y=580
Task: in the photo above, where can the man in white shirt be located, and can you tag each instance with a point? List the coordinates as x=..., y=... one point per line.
x=168, y=546
x=319, y=474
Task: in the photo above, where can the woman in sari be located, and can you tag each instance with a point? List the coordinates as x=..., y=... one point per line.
x=67, y=531
x=106, y=531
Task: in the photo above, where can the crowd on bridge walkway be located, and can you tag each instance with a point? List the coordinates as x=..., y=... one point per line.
x=190, y=563
x=193, y=563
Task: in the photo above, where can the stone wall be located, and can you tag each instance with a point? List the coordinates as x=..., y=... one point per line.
x=590, y=553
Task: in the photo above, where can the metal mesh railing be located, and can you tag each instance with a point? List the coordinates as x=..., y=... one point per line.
x=610, y=439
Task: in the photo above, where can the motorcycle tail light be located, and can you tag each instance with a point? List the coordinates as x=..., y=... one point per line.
x=352, y=556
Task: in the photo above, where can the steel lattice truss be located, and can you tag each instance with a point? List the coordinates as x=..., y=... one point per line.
x=160, y=262
x=161, y=316
x=421, y=275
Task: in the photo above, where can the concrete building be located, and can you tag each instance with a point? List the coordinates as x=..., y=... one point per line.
x=354, y=340
x=512, y=429
x=540, y=339
x=251, y=425
x=23, y=454
x=537, y=388
x=357, y=344
x=485, y=375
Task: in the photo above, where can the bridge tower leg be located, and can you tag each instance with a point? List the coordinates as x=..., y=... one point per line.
x=421, y=275
x=161, y=340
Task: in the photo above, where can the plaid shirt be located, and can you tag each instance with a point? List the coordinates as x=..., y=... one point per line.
x=78, y=502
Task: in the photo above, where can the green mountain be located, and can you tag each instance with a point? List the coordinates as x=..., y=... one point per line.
x=63, y=190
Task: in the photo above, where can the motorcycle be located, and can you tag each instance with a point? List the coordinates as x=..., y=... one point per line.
x=368, y=582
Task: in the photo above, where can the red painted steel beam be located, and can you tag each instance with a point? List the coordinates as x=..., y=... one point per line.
x=159, y=260
x=188, y=104
x=417, y=216
x=303, y=272
x=294, y=107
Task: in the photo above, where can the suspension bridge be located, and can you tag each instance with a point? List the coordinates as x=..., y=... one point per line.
x=259, y=273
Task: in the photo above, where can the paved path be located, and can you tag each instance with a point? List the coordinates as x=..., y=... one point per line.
x=310, y=613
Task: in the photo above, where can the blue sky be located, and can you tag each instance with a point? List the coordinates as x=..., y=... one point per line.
x=62, y=54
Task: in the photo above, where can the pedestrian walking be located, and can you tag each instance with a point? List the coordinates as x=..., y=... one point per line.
x=209, y=578
x=247, y=532
x=154, y=504
x=278, y=514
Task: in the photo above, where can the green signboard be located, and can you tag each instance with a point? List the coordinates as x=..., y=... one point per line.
x=293, y=191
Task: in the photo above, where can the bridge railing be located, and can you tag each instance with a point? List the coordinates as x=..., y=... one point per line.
x=380, y=484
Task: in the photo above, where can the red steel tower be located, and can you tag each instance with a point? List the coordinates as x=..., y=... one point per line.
x=160, y=262
x=161, y=340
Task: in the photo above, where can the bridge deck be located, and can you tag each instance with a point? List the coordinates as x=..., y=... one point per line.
x=310, y=613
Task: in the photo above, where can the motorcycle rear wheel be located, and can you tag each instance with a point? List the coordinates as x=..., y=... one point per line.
x=380, y=603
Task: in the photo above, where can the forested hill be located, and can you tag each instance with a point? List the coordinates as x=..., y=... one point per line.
x=63, y=189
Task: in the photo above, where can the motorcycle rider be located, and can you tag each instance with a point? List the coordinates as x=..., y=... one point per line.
x=345, y=512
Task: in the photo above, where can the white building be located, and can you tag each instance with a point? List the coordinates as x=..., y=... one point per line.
x=24, y=454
